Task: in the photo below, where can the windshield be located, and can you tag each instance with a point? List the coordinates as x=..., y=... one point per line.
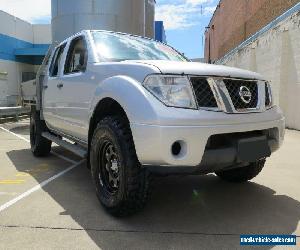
x=119, y=47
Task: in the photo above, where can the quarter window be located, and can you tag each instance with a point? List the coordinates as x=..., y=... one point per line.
x=77, y=56
x=53, y=71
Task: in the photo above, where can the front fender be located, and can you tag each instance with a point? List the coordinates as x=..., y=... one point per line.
x=139, y=105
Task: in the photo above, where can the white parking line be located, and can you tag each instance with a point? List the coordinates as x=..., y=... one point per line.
x=37, y=187
x=25, y=139
x=19, y=136
x=44, y=183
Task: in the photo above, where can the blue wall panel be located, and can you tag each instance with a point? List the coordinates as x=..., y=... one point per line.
x=17, y=50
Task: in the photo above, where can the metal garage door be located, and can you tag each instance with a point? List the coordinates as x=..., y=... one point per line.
x=3, y=89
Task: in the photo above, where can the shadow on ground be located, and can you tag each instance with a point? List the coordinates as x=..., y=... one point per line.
x=183, y=212
x=19, y=129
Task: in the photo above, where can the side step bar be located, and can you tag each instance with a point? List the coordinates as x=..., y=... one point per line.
x=76, y=149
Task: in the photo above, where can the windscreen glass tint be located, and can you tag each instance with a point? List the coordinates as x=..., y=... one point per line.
x=119, y=47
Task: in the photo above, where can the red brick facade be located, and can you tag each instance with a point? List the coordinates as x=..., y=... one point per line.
x=236, y=20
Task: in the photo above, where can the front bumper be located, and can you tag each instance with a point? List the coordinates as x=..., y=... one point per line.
x=153, y=143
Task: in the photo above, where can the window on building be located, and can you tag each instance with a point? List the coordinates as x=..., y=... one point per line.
x=77, y=56
x=28, y=76
x=53, y=71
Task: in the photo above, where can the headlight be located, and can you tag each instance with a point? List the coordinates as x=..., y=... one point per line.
x=173, y=91
x=269, y=98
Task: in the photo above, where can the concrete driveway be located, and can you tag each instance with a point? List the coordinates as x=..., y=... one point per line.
x=49, y=203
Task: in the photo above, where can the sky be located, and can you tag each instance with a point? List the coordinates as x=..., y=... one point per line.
x=184, y=20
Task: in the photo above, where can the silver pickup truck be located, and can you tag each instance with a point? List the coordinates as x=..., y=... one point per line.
x=136, y=107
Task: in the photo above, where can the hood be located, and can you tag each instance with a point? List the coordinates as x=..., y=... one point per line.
x=195, y=68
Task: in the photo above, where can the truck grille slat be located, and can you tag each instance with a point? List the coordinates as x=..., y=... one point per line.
x=268, y=99
x=234, y=87
x=240, y=95
x=204, y=95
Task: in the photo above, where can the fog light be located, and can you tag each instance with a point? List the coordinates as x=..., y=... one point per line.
x=179, y=149
x=176, y=148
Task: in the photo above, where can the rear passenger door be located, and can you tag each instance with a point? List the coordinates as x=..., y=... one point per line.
x=76, y=93
x=51, y=88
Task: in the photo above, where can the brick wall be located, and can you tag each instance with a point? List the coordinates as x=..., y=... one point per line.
x=276, y=55
x=236, y=20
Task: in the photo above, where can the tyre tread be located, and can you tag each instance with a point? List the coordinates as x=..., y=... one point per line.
x=42, y=146
x=138, y=179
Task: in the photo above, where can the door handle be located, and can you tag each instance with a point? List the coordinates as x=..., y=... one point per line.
x=60, y=85
x=45, y=86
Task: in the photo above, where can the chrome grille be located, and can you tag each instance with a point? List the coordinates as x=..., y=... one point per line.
x=204, y=95
x=234, y=87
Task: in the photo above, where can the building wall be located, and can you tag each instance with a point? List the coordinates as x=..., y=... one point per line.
x=236, y=20
x=149, y=18
x=17, y=34
x=10, y=79
x=128, y=16
x=41, y=34
x=276, y=55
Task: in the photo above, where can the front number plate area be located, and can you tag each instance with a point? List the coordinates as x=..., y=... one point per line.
x=253, y=149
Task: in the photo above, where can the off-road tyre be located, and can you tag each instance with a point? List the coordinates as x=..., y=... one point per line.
x=242, y=174
x=40, y=146
x=126, y=192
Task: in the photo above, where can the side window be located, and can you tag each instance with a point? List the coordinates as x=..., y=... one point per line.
x=77, y=56
x=53, y=71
